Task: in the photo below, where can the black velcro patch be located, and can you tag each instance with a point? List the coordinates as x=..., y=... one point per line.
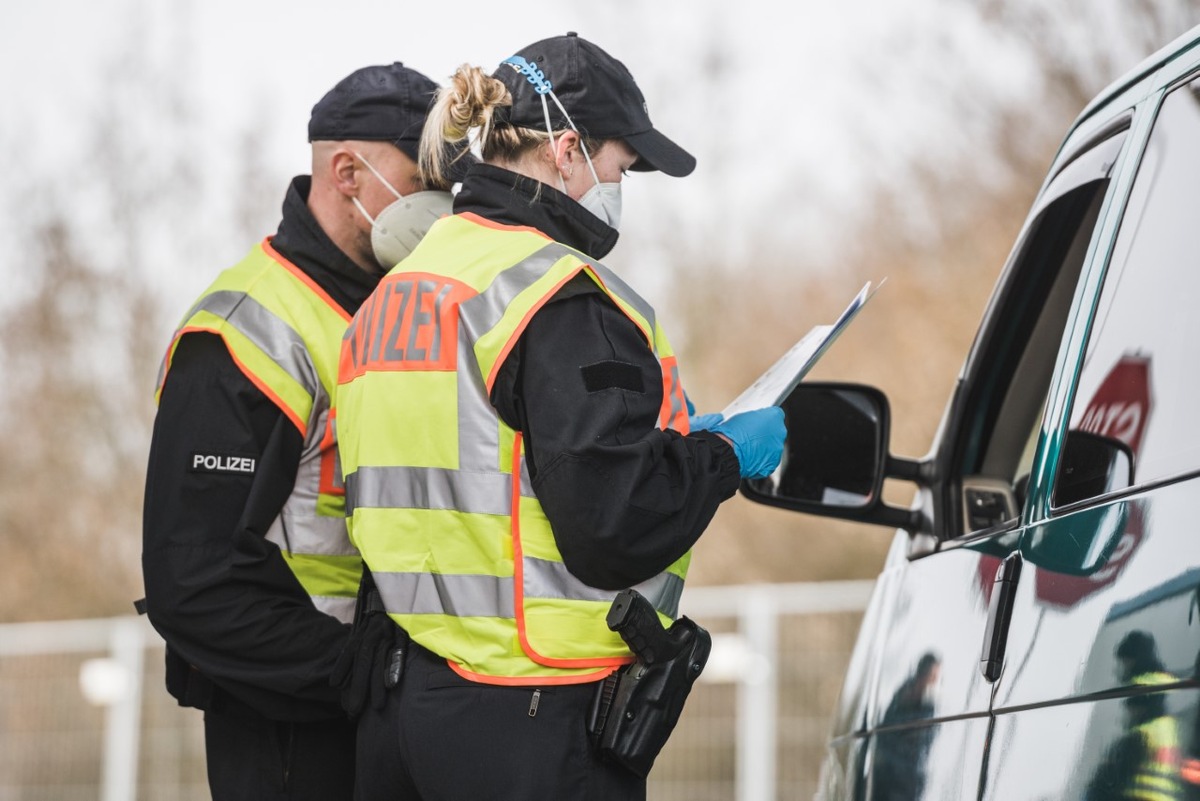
x=612, y=375
x=223, y=463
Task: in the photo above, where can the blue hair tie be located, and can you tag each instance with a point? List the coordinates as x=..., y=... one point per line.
x=531, y=73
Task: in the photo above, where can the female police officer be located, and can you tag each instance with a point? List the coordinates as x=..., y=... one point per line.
x=516, y=444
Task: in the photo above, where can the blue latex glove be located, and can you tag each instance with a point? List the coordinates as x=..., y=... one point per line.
x=704, y=422
x=757, y=438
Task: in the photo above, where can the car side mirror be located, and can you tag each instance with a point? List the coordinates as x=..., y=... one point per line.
x=836, y=456
x=1091, y=465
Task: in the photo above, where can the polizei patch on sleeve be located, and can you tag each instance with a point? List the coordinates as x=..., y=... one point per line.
x=223, y=463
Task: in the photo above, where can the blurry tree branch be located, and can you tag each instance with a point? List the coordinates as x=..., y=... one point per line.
x=141, y=211
x=83, y=330
x=939, y=229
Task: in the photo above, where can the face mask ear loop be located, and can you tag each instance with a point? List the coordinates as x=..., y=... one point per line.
x=359, y=206
x=571, y=122
x=543, y=87
x=550, y=133
x=382, y=180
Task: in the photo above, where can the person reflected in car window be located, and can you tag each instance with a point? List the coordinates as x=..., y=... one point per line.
x=1189, y=769
x=1144, y=762
x=899, y=772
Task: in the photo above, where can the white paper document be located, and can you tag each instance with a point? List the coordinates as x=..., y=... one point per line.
x=773, y=386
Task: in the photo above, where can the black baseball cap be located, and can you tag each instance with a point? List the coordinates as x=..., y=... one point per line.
x=384, y=103
x=597, y=91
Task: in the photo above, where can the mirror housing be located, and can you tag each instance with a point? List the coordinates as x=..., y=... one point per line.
x=1091, y=465
x=836, y=457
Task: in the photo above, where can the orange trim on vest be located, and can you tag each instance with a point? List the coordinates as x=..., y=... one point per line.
x=530, y=681
x=1167, y=755
x=168, y=357
x=475, y=218
x=673, y=388
x=327, y=485
x=302, y=425
x=305, y=278
x=612, y=662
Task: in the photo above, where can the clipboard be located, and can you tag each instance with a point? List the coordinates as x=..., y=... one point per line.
x=773, y=386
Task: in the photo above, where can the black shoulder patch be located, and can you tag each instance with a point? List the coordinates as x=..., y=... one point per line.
x=612, y=375
x=222, y=463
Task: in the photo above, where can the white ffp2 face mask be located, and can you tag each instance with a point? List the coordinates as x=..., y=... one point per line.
x=604, y=200
x=402, y=223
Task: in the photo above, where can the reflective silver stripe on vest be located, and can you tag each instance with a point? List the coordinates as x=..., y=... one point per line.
x=268, y=332
x=547, y=579
x=297, y=529
x=526, y=482
x=443, y=594
x=337, y=458
x=483, y=312
x=341, y=608
x=478, y=422
x=428, y=488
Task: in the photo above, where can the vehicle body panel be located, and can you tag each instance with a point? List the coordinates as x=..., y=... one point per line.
x=1099, y=578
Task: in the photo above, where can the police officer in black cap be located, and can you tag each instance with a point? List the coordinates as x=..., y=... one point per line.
x=557, y=464
x=249, y=574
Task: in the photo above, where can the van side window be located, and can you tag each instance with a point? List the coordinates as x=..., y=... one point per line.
x=1134, y=414
x=1008, y=373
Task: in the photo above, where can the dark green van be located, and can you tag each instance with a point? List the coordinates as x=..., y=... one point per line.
x=1035, y=632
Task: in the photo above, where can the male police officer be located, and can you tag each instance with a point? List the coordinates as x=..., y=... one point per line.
x=249, y=575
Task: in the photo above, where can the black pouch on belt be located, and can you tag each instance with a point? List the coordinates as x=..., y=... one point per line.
x=636, y=709
x=372, y=661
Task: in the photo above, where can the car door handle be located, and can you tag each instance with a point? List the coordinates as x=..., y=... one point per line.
x=995, y=636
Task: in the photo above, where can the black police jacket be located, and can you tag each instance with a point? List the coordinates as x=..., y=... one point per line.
x=241, y=632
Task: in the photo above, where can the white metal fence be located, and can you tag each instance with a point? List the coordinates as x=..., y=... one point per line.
x=84, y=716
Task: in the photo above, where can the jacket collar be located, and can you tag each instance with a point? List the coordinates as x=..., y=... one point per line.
x=301, y=240
x=506, y=197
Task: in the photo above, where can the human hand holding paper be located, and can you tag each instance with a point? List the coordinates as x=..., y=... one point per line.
x=757, y=437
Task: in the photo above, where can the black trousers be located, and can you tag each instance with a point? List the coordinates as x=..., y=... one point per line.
x=251, y=758
x=440, y=737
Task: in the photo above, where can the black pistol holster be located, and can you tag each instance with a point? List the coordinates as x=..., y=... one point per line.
x=636, y=708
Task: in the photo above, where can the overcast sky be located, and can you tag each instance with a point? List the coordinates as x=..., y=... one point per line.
x=789, y=107
x=792, y=63
x=803, y=83
x=807, y=98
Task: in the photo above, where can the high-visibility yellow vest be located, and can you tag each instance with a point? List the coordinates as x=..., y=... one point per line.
x=437, y=490
x=1157, y=778
x=284, y=333
x=1158, y=775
